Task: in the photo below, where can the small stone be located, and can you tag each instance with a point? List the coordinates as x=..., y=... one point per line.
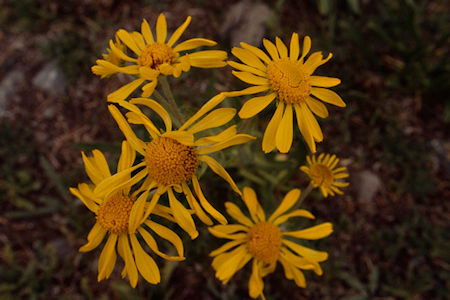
x=51, y=79
x=246, y=22
x=368, y=184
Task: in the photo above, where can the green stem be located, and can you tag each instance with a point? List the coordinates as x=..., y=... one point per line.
x=304, y=194
x=171, y=100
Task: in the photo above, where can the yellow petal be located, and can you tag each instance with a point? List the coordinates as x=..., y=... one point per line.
x=304, y=129
x=317, y=107
x=256, y=284
x=136, y=143
x=328, y=96
x=176, y=35
x=294, y=50
x=208, y=59
x=282, y=49
x=107, y=258
x=227, y=270
x=145, y=263
x=219, y=170
x=193, y=43
x=284, y=133
x=128, y=40
x=306, y=47
x=250, y=78
x=258, y=52
x=248, y=58
x=149, y=88
x=323, y=81
x=147, y=32
x=312, y=233
x=309, y=254
x=95, y=237
x=223, y=135
x=119, y=53
x=255, y=105
x=123, y=92
x=227, y=246
x=182, y=216
x=208, y=106
x=130, y=264
x=156, y=107
x=118, y=180
x=161, y=29
x=90, y=204
x=314, y=62
x=296, y=213
x=101, y=163
x=235, y=212
x=216, y=118
x=311, y=122
x=269, y=143
x=246, y=68
x=205, y=204
x=288, y=201
x=248, y=91
x=271, y=48
x=235, y=140
x=137, y=211
x=127, y=157
x=169, y=236
x=193, y=203
x=91, y=169
x=254, y=208
x=138, y=39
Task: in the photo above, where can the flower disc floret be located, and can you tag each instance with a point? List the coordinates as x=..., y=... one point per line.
x=289, y=80
x=264, y=242
x=156, y=54
x=170, y=162
x=321, y=175
x=113, y=214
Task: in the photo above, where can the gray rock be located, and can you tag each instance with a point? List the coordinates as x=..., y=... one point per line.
x=8, y=87
x=246, y=22
x=50, y=79
x=368, y=185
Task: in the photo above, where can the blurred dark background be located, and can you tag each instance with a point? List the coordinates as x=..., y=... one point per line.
x=391, y=238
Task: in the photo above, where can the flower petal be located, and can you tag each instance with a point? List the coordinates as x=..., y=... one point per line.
x=216, y=118
x=328, y=96
x=219, y=170
x=182, y=216
x=161, y=29
x=284, y=133
x=235, y=212
x=282, y=49
x=317, y=107
x=269, y=139
x=123, y=92
x=255, y=105
x=95, y=237
x=294, y=50
x=147, y=32
x=271, y=48
x=254, y=208
x=288, y=201
x=176, y=35
x=145, y=263
x=193, y=43
x=107, y=258
x=130, y=263
x=250, y=78
x=312, y=233
x=248, y=58
x=205, y=204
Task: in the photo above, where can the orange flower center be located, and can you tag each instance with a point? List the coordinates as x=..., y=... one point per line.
x=289, y=80
x=321, y=175
x=264, y=242
x=155, y=55
x=114, y=212
x=170, y=162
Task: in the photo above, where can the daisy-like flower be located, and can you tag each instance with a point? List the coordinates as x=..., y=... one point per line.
x=152, y=58
x=122, y=221
x=110, y=56
x=289, y=79
x=323, y=173
x=264, y=241
x=172, y=157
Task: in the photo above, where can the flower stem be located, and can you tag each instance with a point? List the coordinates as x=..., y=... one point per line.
x=304, y=194
x=171, y=100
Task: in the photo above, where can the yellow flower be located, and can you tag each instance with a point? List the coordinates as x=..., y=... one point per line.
x=121, y=220
x=289, y=79
x=111, y=56
x=263, y=241
x=323, y=173
x=154, y=57
x=172, y=157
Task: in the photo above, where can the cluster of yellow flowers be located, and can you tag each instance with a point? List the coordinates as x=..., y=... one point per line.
x=167, y=163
